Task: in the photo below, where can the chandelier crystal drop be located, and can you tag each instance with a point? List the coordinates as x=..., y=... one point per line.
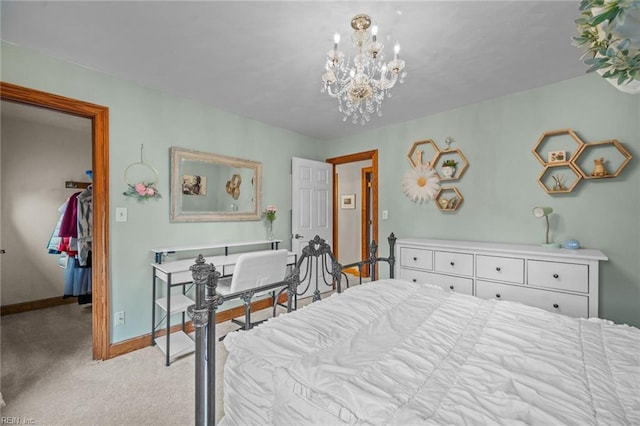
x=360, y=88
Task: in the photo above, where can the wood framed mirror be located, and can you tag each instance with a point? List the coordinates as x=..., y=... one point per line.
x=208, y=187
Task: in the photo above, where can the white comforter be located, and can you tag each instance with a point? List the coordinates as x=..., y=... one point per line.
x=399, y=353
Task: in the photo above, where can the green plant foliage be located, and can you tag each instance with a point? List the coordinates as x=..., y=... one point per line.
x=606, y=52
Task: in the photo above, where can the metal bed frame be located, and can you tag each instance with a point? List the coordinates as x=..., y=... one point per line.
x=316, y=261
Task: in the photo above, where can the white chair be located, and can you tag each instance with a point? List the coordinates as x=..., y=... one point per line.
x=255, y=269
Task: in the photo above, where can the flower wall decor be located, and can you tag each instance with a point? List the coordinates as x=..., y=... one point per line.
x=421, y=183
x=609, y=30
x=142, y=191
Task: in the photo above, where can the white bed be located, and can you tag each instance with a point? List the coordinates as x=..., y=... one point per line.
x=398, y=353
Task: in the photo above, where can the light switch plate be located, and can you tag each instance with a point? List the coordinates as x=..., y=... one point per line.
x=121, y=214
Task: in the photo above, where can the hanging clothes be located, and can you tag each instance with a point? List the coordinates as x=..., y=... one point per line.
x=77, y=281
x=69, y=226
x=53, y=247
x=84, y=221
x=73, y=232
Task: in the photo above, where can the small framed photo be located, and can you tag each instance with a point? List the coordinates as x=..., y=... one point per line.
x=557, y=156
x=348, y=201
x=194, y=185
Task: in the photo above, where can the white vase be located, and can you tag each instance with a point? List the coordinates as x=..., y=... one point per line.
x=448, y=171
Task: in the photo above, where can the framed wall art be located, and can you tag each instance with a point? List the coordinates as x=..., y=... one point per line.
x=348, y=201
x=557, y=156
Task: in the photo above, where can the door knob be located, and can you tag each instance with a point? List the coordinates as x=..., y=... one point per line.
x=298, y=236
x=3, y=251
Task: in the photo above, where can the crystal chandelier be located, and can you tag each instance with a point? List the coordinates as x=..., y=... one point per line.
x=356, y=87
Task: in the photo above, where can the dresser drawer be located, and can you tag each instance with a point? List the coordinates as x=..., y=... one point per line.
x=500, y=268
x=450, y=283
x=416, y=258
x=573, y=305
x=413, y=276
x=446, y=282
x=563, y=276
x=454, y=263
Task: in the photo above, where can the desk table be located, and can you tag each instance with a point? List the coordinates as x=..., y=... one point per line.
x=177, y=273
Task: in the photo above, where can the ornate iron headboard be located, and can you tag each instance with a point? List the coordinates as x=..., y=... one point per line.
x=316, y=259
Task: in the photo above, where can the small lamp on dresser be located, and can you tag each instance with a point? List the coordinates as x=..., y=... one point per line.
x=545, y=212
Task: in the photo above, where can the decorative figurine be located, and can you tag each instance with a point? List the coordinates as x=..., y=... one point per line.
x=448, y=204
x=598, y=168
x=448, y=141
x=559, y=185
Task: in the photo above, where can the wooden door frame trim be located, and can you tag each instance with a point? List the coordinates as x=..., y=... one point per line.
x=352, y=158
x=364, y=217
x=99, y=115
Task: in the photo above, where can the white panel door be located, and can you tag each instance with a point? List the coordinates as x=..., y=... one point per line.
x=311, y=204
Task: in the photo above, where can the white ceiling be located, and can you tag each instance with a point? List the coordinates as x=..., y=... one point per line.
x=264, y=59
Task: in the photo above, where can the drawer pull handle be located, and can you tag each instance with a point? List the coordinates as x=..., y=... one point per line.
x=451, y=287
x=498, y=295
x=415, y=259
x=555, y=305
x=498, y=268
x=453, y=263
x=556, y=276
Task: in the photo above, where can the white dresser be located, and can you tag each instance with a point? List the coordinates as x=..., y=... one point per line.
x=558, y=280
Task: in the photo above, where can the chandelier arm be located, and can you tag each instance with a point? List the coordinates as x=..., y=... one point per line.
x=336, y=94
x=389, y=83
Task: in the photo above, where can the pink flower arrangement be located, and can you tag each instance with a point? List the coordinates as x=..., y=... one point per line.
x=270, y=213
x=142, y=191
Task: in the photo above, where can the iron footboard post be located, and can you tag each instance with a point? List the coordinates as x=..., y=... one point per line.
x=392, y=254
x=373, y=248
x=205, y=279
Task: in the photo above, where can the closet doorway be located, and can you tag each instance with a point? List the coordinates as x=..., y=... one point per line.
x=355, y=177
x=100, y=166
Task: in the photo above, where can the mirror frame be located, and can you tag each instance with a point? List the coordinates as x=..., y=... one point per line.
x=177, y=215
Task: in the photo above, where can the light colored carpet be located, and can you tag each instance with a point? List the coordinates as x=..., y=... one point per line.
x=48, y=376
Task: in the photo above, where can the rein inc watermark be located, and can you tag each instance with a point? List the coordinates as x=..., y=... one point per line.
x=5, y=420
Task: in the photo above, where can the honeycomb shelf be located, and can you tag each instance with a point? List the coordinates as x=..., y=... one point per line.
x=591, y=150
x=415, y=154
x=597, y=156
x=545, y=139
x=553, y=178
x=416, y=157
x=451, y=154
x=449, y=204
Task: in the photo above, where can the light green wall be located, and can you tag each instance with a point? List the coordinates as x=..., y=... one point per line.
x=138, y=115
x=500, y=188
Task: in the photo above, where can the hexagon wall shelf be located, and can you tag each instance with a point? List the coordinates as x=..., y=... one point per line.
x=554, y=173
x=546, y=136
x=449, y=204
x=451, y=154
x=416, y=158
x=623, y=158
x=553, y=178
x=415, y=154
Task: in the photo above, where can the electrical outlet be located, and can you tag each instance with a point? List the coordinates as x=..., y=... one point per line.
x=119, y=318
x=385, y=214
